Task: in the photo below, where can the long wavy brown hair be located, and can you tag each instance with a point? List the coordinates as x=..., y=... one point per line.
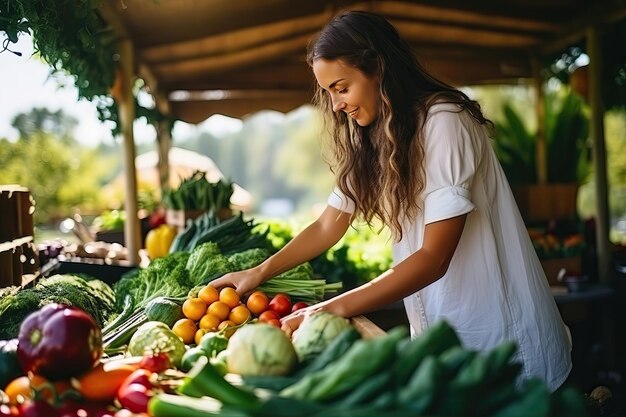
x=381, y=166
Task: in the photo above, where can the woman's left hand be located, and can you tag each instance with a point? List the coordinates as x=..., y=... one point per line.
x=291, y=322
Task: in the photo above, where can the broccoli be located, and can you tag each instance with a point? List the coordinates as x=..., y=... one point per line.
x=63, y=289
x=96, y=298
x=248, y=258
x=164, y=276
x=16, y=308
x=206, y=263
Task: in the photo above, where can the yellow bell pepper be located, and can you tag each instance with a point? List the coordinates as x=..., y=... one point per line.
x=159, y=240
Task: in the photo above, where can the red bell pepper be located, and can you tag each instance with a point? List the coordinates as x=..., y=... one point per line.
x=59, y=342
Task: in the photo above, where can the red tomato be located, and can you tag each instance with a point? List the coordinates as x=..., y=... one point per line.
x=155, y=362
x=274, y=322
x=281, y=304
x=268, y=315
x=299, y=305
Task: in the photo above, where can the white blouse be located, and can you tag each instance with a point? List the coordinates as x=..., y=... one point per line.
x=494, y=289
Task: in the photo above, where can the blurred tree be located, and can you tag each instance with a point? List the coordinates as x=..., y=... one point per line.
x=299, y=160
x=60, y=177
x=40, y=119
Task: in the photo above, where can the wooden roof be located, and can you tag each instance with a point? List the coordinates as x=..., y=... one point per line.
x=235, y=57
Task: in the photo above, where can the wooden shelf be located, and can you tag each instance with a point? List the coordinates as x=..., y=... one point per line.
x=11, y=245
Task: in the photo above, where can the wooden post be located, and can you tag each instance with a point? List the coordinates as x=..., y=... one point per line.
x=541, y=146
x=126, y=105
x=603, y=245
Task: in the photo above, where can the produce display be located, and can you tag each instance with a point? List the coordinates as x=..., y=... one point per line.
x=163, y=342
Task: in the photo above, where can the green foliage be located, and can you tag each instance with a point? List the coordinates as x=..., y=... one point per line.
x=567, y=129
x=163, y=277
x=206, y=262
x=515, y=147
x=60, y=174
x=197, y=193
x=361, y=255
x=110, y=220
x=69, y=35
x=248, y=258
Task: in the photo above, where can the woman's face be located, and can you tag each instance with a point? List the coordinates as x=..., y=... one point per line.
x=351, y=91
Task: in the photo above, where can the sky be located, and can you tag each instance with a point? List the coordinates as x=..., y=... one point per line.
x=25, y=83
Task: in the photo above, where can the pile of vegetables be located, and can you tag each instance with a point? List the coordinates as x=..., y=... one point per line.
x=93, y=296
x=232, y=235
x=390, y=375
x=197, y=193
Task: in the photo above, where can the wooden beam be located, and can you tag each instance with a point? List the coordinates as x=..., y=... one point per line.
x=445, y=34
x=599, y=15
x=127, y=117
x=199, y=110
x=234, y=41
x=541, y=147
x=603, y=245
x=211, y=65
x=461, y=17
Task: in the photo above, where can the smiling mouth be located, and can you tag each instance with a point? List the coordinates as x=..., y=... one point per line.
x=353, y=112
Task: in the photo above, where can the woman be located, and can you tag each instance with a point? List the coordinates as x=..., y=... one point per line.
x=415, y=153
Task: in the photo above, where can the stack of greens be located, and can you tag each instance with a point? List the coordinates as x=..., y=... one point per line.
x=197, y=193
x=93, y=296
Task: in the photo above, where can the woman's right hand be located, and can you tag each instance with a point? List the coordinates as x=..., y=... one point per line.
x=242, y=281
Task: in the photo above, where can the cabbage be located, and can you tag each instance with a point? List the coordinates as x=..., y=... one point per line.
x=260, y=349
x=154, y=337
x=315, y=333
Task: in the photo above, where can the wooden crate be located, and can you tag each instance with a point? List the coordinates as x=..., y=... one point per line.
x=178, y=218
x=366, y=327
x=551, y=267
x=16, y=206
x=540, y=202
x=18, y=255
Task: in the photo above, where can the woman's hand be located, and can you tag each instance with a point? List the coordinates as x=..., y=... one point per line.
x=291, y=322
x=243, y=281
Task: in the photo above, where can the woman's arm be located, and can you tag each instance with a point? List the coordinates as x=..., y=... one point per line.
x=311, y=242
x=420, y=269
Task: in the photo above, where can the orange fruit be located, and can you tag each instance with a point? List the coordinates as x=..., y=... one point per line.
x=198, y=336
x=229, y=297
x=194, y=308
x=209, y=322
x=209, y=294
x=239, y=314
x=19, y=390
x=185, y=329
x=227, y=324
x=219, y=309
x=258, y=302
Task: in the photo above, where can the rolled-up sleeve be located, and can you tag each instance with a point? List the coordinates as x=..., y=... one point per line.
x=450, y=163
x=338, y=200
